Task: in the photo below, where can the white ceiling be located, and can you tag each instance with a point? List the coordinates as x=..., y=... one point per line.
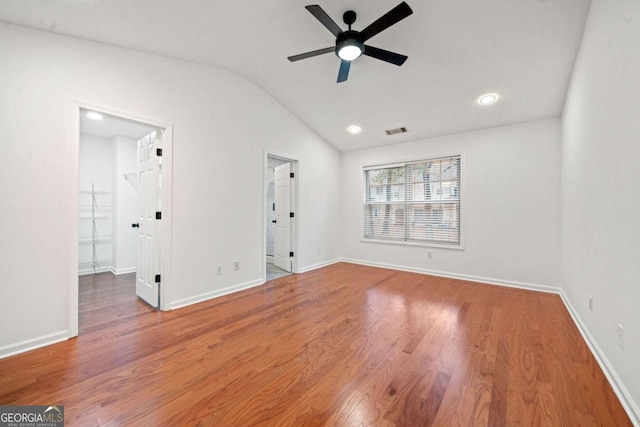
x=110, y=127
x=522, y=49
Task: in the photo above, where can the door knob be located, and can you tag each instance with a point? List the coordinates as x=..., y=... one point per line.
x=273, y=221
x=136, y=225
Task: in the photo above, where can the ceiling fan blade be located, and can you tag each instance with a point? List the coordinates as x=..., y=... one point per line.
x=344, y=70
x=311, y=54
x=384, y=55
x=395, y=15
x=324, y=19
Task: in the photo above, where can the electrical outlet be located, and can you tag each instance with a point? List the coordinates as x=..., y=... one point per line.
x=219, y=270
x=236, y=265
x=620, y=337
x=591, y=302
x=429, y=255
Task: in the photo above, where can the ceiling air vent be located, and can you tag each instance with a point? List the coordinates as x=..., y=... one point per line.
x=396, y=131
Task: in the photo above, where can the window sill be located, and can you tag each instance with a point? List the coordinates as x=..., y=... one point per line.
x=420, y=244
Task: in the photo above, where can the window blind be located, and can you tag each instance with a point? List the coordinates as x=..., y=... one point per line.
x=415, y=201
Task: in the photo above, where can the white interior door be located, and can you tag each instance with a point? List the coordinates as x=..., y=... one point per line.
x=282, y=237
x=149, y=166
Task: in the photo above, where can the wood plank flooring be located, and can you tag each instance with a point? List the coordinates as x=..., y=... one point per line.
x=345, y=345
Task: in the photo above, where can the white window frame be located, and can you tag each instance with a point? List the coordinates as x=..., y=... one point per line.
x=415, y=242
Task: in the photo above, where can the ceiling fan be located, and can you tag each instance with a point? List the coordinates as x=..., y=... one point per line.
x=350, y=43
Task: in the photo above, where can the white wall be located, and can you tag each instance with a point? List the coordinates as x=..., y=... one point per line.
x=125, y=196
x=222, y=126
x=96, y=163
x=510, y=201
x=600, y=177
x=95, y=169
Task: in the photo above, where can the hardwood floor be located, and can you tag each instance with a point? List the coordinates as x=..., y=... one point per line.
x=345, y=345
x=106, y=300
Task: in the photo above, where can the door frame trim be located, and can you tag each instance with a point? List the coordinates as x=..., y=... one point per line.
x=166, y=236
x=294, y=206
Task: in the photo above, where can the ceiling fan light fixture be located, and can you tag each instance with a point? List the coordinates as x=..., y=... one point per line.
x=488, y=98
x=349, y=49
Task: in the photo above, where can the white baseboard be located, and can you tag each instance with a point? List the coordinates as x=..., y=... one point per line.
x=32, y=344
x=319, y=265
x=118, y=271
x=231, y=289
x=471, y=278
x=107, y=269
x=270, y=259
x=214, y=294
x=629, y=405
x=97, y=270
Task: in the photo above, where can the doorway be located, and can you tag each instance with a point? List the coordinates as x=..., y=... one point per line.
x=123, y=193
x=281, y=218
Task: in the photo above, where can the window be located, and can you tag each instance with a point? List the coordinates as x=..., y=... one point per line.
x=414, y=201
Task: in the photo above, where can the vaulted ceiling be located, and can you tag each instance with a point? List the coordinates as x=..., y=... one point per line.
x=523, y=50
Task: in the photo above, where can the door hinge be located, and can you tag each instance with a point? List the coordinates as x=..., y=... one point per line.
x=291, y=175
x=159, y=152
x=291, y=215
x=157, y=278
x=158, y=215
x=291, y=254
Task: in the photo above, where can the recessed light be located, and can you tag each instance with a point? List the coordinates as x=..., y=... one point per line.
x=94, y=116
x=488, y=99
x=354, y=129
